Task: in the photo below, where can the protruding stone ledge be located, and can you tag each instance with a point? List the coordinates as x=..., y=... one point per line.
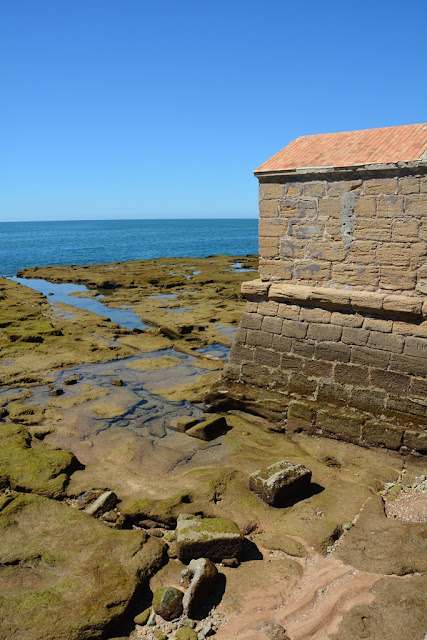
x=367, y=301
x=255, y=288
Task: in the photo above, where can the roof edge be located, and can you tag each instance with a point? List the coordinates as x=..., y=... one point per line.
x=300, y=171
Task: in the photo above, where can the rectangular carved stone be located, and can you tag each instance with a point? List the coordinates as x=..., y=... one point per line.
x=268, y=208
x=259, y=338
x=347, y=319
x=267, y=357
x=401, y=278
x=354, y=336
x=390, y=381
x=378, y=324
x=318, y=369
x=282, y=344
x=330, y=332
x=416, y=347
x=315, y=314
x=380, y=433
x=269, y=308
x=270, y=190
x=251, y=321
x=408, y=364
x=387, y=341
x=272, y=324
x=341, y=425
x=355, y=275
x=332, y=351
x=301, y=385
x=294, y=329
x=303, y=348
x=380, y=186
x=370, y=357
x=300, y=417
x=255, y=288
x=351, y=374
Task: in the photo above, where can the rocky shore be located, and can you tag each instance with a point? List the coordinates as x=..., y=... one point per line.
x=126, y=512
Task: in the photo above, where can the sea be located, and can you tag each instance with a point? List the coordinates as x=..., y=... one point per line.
x=80, y=242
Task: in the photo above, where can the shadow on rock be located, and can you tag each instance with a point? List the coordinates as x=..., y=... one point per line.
x=213, y=599
x=250, y=551
x=312, y=490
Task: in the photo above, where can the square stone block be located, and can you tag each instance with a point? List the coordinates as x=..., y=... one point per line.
x=280, y=482
x=213, y=538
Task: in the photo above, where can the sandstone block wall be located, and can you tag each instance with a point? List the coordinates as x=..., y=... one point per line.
x=368, y=232
x=333, y=340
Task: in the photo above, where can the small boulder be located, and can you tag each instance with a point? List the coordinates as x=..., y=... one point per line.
x=142, y=618
x=74, y=379
x=56, y=392
x=208, y=429
x=186, y=633
x=117, y=382
x=213, y=538
x=231, y=563
x=280, y=482
x=167, y=602
x=159, y=634
x=199, y=577
x=182, y=424
x=106, y=501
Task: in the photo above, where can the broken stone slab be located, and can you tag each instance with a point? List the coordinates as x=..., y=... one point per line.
x=209, y=429
x=280, y=482
x=213, y=538
x=183, y=424
x=167, y=602
x=105, y=502
x=199, y=578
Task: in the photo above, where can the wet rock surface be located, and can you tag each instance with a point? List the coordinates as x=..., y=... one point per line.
x=344, y=560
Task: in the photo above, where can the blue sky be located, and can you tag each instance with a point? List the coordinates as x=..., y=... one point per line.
x=136, y=109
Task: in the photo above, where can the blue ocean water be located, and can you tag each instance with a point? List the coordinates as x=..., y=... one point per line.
x=31, y=244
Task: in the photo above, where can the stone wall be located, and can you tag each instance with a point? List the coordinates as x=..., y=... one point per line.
x=333, y=340
x=367, y=232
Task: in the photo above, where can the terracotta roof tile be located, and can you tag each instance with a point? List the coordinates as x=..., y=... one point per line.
x=406, y=143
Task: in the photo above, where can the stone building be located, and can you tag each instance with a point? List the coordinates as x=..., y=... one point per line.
x=333, y=340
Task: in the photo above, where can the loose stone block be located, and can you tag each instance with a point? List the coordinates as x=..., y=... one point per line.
x=209, y=429
x=280, y=482
x=213, y=538
x=105, y=502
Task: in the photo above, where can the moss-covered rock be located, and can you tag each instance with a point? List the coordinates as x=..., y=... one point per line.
x=34, y=469
x=64, y=575
x=213, y=538
x=167, y=602
x=186, y=633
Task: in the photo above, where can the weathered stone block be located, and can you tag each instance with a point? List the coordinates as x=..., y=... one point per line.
x=303, y=348
x=386, y=341
x=301, y=385
x=300, y=417
x=418, y=388
x=275, y=269
x=313, y=271
x=362, y=251
x=240, y=353
x=332, y=351
x=208, y=429
x=408, y=364
x=338, y=187
x=347, y=319
x=316, y=188
x=315, y=315
x=416, y=440
x=269, y=308
x=390, y=206
x=416, y=347
x=329, y=207
x=332, y=393
x=270, y=190
x=366, y=301
x=255, y=288
x=403, y=304
x=292, y=248
x=356, y=275
x=416, y=205
x=259, y=338
x=397, y=278
x=291, y=362
x=390, y=381
x=293, y=189
x=394, y=253
x=355, y=336
x=329, y=250
x=370, y=357
x=269, y=247
x=318, y=369
x=378, y=324
x=267, y=357
x=365, y=206
x=377, y=186
x=351, y=374
x=404, y=230
x=294, y=329
x=289, y=293
x=322, y=332
x=251, y=321
x=213, y=538
x=282, y=344
x=344, y=426
x=280, y=482
x=409, y=185
x=269, y=227
x=289, y=311
x=167, y=602
x=268, y=208
x=272, y=324
x=381, y=433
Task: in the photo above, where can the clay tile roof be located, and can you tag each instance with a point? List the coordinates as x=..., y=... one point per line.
x=405, y=143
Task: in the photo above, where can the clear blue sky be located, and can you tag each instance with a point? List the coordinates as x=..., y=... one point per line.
x=138, y=109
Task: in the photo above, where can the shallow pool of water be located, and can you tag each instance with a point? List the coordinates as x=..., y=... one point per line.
x=62, y=293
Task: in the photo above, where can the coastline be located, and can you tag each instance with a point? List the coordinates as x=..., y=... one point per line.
x=315, y=581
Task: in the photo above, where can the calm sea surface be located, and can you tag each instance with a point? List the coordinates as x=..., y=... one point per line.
x=31, y=244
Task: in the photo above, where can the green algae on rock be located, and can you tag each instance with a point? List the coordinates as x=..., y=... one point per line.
x=70, y=564
x=213, y=538
x=35, y=469
x=167, y=602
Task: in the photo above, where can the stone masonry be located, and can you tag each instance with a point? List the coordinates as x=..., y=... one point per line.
x=333, y=340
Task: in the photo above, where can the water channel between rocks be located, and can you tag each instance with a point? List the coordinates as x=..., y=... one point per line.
x=93, y=406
